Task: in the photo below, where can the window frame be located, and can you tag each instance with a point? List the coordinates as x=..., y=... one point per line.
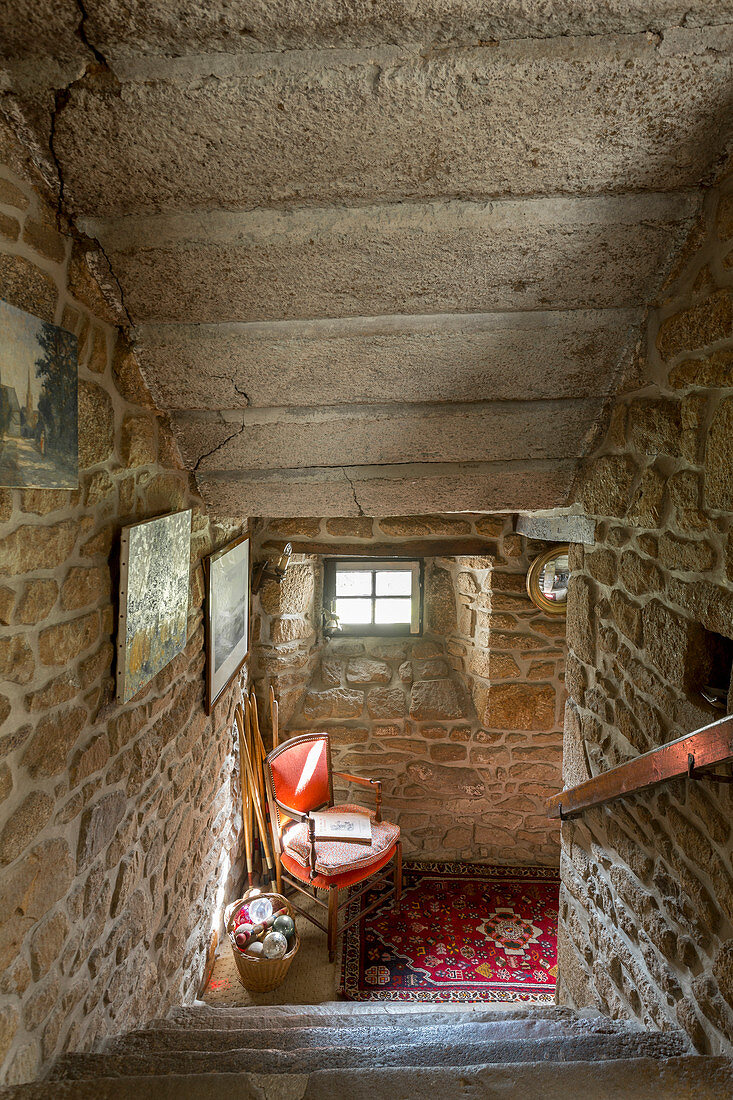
x=413, y=629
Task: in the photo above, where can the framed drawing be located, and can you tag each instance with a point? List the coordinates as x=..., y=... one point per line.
x=155, y=558
x=38, y=402
x=227, y=616
x=547, y=581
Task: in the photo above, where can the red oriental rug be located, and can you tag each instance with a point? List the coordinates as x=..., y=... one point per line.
x=464, y=932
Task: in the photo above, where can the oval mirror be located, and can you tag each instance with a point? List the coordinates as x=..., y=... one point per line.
x=547, y=581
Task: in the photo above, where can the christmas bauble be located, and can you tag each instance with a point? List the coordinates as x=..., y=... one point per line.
x=284, y=924
x=255, y=948
x=274, y=945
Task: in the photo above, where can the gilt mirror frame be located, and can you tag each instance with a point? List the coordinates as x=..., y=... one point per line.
x=535, y=578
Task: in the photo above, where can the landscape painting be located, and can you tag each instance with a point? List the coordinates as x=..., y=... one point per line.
x=227, y=616
x=154, y=577
x=38, y=402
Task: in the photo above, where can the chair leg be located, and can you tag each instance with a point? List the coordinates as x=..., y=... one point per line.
x=278, y=873
x=398, y=876
x=333, y=895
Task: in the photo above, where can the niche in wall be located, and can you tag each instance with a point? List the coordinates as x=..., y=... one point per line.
x=714, y=673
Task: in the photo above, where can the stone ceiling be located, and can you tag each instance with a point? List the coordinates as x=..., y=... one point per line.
x=387, y=256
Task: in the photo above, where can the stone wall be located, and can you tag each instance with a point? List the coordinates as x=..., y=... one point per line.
x=118, y=833
x=647, y=901
x=286, y=627
x=463, y=724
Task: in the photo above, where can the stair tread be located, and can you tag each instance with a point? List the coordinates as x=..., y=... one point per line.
x=415, y=1054
x=690, y=1077
x=341, y=1014
x=383, y=1008
x=357, y=1034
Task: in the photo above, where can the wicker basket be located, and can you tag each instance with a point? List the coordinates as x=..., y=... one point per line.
x=259, y=975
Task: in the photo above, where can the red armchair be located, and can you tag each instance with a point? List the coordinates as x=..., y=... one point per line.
x=299, y=781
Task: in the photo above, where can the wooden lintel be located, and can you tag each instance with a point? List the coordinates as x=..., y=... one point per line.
x=405, y=548
x=707, y=746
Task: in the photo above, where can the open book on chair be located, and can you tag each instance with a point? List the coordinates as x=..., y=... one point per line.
x=351, y=828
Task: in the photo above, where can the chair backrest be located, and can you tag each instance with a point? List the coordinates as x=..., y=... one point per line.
x=299, y=774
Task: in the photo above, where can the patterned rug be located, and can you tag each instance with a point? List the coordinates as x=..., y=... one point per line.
x=465, y=932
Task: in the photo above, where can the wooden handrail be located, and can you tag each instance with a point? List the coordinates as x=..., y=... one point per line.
x=688, y=755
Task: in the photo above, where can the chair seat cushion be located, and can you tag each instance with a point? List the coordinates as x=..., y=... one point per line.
x=340, y=882
x=334, y=857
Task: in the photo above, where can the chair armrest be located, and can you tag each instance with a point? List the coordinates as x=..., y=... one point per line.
x=357, y=779
x=299, y=815
x=376, y=783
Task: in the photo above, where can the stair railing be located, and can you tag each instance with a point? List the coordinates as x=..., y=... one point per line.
x=690, y=755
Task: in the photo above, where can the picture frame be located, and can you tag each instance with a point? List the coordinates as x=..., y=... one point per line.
x=547, y=581
x=228, y=588
x=39, y=384
x=155, y=566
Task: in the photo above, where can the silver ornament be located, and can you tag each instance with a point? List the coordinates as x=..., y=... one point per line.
x=274, y=945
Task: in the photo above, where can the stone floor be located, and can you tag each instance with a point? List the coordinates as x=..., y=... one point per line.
x=311, y=978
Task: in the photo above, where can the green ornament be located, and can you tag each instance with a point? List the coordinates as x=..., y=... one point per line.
x=285, y=925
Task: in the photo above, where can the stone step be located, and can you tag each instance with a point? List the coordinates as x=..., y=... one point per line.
x=357, y=1035
x=341, y=1013
x=416, y=1053
x=679, y=1078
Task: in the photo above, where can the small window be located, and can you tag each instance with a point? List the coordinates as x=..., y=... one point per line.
x=373, y=597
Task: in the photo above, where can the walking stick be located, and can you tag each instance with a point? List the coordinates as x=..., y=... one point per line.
x=258, y=753
x=262, y=754
x=257, y=850
x=256, y=805
x=244, y=786
x=275, y=718
x=257, y=757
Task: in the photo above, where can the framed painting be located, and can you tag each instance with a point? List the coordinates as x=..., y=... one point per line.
x=155, y=558
x=227, y=616
x=39, y=368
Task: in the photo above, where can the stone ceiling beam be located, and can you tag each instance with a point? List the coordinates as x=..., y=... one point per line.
x=410, y=489
x=174, y=27
x=388, y=124
x=384, y=434
x=167, y=26
x=444, y=357
x=443, y=257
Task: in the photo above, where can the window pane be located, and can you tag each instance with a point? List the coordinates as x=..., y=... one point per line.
x=393, y=611
x=394, y=582
x=354, y=611
x=353, y=583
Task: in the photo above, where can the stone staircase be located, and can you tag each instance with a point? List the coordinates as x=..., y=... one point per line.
x=365, y=1052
